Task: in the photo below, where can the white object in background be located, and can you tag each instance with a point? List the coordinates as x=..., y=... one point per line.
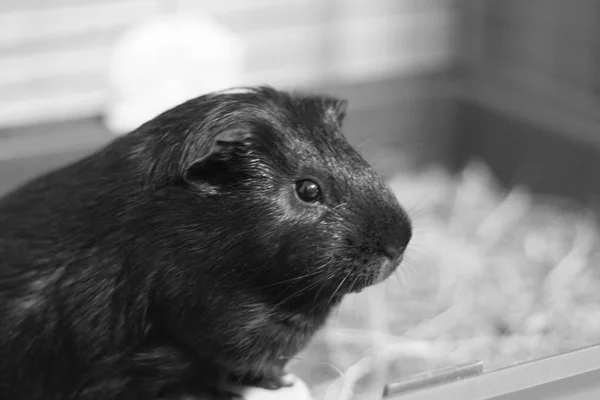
x=166, y=61
x=299, y=391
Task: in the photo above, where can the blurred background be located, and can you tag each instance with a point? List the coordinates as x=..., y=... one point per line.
x=65, y=62
x=482, y=114
x=435, y=81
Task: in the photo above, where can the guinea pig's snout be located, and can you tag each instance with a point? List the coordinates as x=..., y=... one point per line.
x=394, y=240
x=382, y=247
x=394, y=253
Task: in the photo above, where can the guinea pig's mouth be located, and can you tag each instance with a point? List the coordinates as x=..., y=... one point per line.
x=377, y=275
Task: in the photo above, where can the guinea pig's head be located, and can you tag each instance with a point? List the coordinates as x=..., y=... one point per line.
x=262, y=187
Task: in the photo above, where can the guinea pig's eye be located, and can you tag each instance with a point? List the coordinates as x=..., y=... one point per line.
x=308, y=191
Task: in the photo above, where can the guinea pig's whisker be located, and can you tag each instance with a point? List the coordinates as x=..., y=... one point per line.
x=339, y=206
x=318, y=295
x=420, y=214
x=336, y=317
x=382, y=157
x=423, y=196
x=317, y=271
x=397, y=276
x=325, y=264
x=362, y=143
x=408, y=260
x=423, y=231
x=417, y=248
x=354, y=281
x=305, y=289
x=291, y=279
x=410, y=273
x=403, y=276
x=337, y=288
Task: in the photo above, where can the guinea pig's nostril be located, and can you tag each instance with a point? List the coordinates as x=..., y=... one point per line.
x=394, y=253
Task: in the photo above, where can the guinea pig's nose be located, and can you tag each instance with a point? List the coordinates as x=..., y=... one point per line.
x=395, y=240
x=394, y=253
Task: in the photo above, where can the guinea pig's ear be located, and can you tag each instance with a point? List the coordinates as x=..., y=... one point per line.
x=214, y=166
x=335, y=110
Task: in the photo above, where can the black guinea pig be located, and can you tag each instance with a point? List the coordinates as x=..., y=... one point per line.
x=206, y=246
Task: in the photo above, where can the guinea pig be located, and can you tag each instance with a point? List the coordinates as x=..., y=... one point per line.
x=206, y=246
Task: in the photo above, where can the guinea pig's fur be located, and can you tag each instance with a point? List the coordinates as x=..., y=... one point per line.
x=185, y=253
